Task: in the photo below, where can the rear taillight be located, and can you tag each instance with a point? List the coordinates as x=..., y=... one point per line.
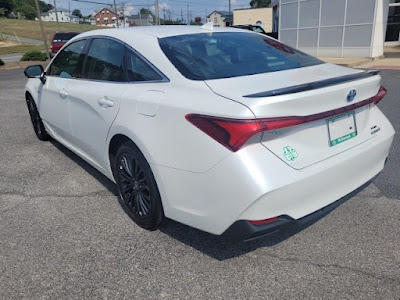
x=230, y=133
x=234, y=133
x=51, y=47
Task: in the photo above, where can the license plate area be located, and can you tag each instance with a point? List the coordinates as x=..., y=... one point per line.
x=341, y=128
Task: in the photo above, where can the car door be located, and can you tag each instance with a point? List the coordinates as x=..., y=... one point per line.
x=54, y=102
x=95, y=99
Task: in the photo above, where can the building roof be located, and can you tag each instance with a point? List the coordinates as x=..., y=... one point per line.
x=249, y=8
x=229, y=18
x=109, y=9
x=58, y=10
x=223, y=13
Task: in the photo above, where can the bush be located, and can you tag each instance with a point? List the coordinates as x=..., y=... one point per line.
x=1, y=62
x=34, y=55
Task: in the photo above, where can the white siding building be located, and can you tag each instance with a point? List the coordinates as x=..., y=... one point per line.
x=220, y=18
x=50, y=16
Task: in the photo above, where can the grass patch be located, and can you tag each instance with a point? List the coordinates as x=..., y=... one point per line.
x=31, y=29
x=22, y=65
x=20, y=49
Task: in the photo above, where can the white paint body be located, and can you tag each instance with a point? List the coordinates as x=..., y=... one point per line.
x=202, y=183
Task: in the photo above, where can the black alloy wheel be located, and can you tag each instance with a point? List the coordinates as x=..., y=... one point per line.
x=137, y=187
x=37, y=122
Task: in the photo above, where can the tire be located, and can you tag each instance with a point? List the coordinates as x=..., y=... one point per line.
x=137, y=188
x=37, y=122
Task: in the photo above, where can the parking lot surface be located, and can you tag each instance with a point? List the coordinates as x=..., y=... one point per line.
x=65, y=236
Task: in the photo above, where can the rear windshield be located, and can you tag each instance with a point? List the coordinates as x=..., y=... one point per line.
x=64, y=36
x=224, y=54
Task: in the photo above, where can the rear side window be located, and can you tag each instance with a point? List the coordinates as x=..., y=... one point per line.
x=230, y=54
x=105, y=61
x=139, y=70
x=68, y=62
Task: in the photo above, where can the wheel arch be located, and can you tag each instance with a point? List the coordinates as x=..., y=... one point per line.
x=27, y=95
x=115, y=142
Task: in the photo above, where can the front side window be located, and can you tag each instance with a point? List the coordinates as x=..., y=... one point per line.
x=223, y=55
x=105, y=61
x=68, y=62
x=139, y=70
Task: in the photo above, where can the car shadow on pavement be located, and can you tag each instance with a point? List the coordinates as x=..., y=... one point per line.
x=219, y=249
x=107, y=183
x=212, y=245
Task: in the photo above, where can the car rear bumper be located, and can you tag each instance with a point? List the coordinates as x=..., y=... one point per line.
x=253, y=184
x=243, y=230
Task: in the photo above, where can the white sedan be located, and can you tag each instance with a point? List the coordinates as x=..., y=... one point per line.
x=224, y=130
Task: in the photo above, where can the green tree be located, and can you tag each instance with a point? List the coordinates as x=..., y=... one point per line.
x=145, y=11
x=6, y=6
x=77, y=12
x=45, y=7
x=25, y=7
x=260, y=3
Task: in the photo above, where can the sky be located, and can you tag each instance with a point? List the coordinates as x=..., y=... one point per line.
x=197, y=8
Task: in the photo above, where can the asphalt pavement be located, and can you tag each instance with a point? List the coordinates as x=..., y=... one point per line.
x=11, y=57
x=65, y=236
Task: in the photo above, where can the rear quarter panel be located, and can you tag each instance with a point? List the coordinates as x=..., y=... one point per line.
x=167, y=138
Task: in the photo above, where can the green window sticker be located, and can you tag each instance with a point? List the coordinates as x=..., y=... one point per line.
x=290, y=153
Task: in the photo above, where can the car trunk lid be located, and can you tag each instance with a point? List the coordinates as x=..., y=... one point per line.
x=317, y=91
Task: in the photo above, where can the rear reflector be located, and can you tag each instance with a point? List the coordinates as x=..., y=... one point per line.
x=262, y=222
x=234, y=133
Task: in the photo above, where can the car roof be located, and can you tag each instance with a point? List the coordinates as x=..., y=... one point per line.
x=144, y=39
x=156, y=31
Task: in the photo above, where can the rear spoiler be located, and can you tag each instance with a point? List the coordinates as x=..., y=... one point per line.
x=314, y=85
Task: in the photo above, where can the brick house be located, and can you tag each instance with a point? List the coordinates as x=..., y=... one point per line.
x=106, y=17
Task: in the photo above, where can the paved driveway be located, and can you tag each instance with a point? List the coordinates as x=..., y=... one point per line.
x=11, y=57
x=63, y=234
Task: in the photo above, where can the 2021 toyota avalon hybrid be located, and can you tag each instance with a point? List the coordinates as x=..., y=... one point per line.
x=228, y=131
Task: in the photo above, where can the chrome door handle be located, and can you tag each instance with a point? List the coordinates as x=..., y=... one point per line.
x=63, y=93
x=104, y=102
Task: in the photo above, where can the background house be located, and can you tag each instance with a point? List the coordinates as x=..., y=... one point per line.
x=254, y=16
x=140, y=20
x=220, y=18
x=75, y=19
x=106, y=17
x=62, y=14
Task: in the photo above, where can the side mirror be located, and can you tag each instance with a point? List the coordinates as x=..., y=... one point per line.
x=43, y=77
x=33, y=71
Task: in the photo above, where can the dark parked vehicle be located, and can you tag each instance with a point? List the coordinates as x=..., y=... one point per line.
x=258, y=29
x=59, y=39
